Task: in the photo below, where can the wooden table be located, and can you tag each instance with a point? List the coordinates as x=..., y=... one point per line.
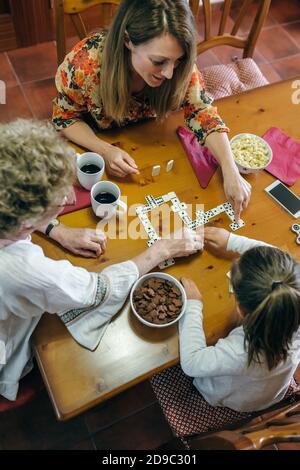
x=130, y=352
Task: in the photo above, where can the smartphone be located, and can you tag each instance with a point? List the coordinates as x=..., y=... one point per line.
x=285, y=197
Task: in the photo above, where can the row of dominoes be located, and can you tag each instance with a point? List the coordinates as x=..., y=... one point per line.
x=201, y=217
x=156, y=168
x=204, y=217
x=141, y=212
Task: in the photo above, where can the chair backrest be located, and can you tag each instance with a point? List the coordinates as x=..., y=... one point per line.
x=74, y=8
x=247, y=8
x=281, y=426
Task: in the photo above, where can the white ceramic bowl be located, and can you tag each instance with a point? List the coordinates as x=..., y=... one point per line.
x=168, y=278
x=244, y=167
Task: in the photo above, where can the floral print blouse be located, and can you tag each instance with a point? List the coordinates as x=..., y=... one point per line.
x=77, y=82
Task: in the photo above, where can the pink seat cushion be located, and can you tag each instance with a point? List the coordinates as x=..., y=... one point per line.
x=186, y=410
x=234, y=78
x=30, y=386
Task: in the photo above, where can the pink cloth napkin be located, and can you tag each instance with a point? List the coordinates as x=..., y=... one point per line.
x=285, y=164
x=83, y=199
x=202, y=161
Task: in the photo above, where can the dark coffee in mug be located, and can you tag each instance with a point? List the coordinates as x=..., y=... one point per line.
x=105, y=198
x=90, y=168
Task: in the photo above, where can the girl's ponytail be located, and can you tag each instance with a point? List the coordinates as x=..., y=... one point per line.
x=266, y=282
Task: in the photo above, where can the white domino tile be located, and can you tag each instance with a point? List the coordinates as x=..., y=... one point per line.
x=229, y=282
x=155, y=170
x=151, y=201
x=169, y=165
x=235, y=226
x=167, y=263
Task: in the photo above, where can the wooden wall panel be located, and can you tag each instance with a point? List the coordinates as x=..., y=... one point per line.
x=33, y=21
x=7, y=33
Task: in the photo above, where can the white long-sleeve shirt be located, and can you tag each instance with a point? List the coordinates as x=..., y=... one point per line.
x=220, y=372
x=31, y=283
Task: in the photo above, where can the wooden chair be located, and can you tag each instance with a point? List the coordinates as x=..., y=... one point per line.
x=74, y=9
x=242, y=74
x=192, y=419
x=270, y=428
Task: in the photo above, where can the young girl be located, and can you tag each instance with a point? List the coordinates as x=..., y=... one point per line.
x=144, y=67
x=36, y=174
x=252, y=367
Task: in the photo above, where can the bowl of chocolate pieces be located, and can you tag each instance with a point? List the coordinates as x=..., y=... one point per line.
x=158, y=300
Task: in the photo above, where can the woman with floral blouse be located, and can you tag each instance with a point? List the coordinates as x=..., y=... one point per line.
x=142, y=68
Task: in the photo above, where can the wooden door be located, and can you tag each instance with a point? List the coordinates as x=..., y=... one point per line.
x=7, y=30
x=25, y=22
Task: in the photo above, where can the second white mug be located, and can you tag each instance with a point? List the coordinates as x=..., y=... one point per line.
x=90, y=168
x=105, y=197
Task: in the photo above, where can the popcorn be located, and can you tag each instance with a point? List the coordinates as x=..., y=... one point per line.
x=250, y=151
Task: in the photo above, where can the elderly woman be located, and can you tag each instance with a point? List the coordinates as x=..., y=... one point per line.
x=143, y=68
x=36, y=173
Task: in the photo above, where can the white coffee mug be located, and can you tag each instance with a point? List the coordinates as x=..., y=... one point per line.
x=107, y=210
x=87, y=180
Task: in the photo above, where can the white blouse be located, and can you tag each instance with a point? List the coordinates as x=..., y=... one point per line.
x=220, y=372
x=31, y=283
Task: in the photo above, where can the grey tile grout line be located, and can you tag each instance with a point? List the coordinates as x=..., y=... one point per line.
x=40, y=80
x=12, y=68
x=28, y=102
x=116, y=421
x=20, y=85
x=279, y=24
x=93, y=442
x=292, y=39
x=284, y=58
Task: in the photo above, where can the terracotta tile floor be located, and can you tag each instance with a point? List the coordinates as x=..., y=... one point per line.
x=32, y=69
x=132, y=420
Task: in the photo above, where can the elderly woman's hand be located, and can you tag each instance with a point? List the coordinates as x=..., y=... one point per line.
x=86, y=242
x=182, y=243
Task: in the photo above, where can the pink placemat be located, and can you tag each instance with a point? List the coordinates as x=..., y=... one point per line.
x=285, y=164
x=201, y=159
x=83, y=199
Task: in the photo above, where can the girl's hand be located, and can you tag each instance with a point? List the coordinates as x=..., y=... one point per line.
x=237, y=191
x=119, y=163
x=191, y=290
x=86, y=242
x=215, y=240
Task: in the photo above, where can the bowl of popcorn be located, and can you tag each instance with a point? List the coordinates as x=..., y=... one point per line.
x=251, y=152
x=158, y=300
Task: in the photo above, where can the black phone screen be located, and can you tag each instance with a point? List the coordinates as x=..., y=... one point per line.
x=286, y=198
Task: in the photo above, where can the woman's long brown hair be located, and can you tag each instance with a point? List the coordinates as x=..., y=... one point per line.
x=142, y=21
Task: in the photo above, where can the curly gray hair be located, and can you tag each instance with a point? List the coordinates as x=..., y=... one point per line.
x=36, y=169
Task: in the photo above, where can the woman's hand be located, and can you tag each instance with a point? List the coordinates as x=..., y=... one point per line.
x=191, y=290
x=86, y=242
x=119, y=163
x=182, y=243
x=215, y=241
x=237, y=191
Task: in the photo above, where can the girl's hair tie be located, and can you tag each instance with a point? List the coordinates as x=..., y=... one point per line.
x=276, y=284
